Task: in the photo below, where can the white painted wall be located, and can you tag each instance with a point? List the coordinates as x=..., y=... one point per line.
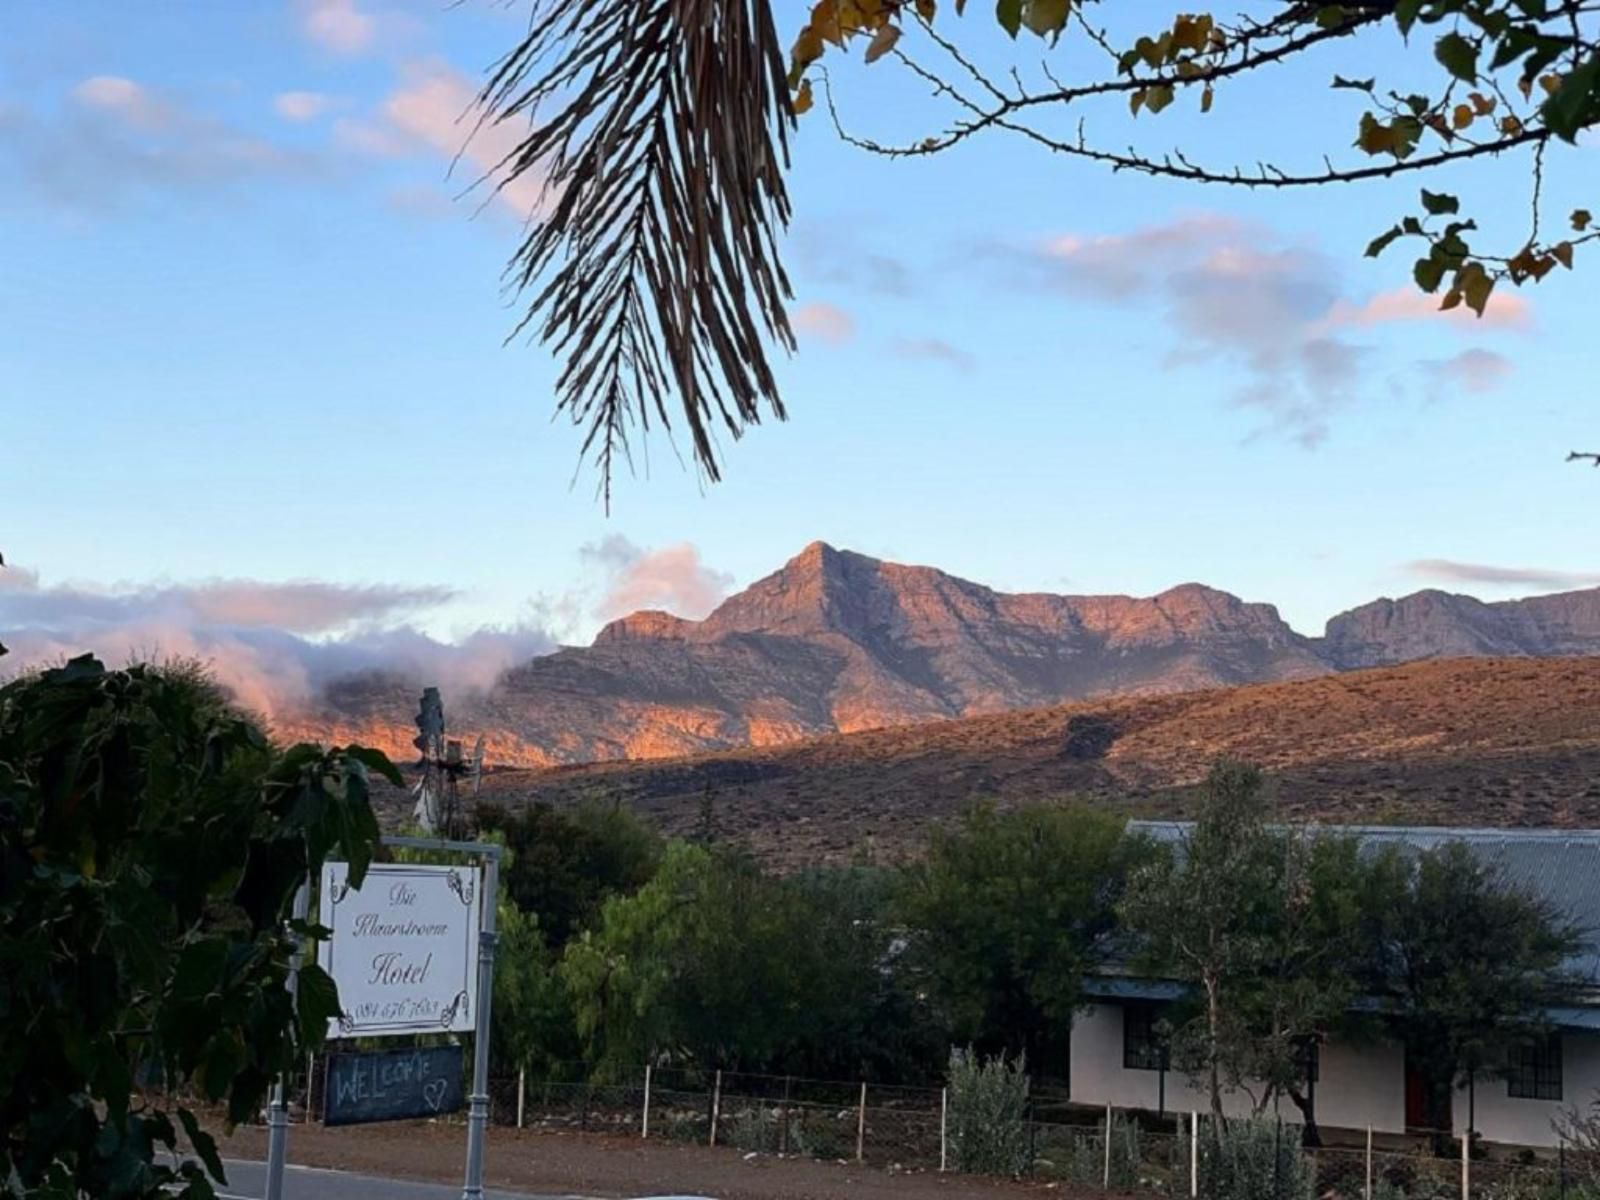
x=1359, y=1083
x=1501, y=1117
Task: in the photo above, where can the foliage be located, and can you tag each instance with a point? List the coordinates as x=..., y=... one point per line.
x=151, y=842
x=715, y=963
x=563, y=866
x=1006, y=913
x=988, y=1104
x=661, y=138
x=1086, y=1155
x=1255, y=1158
x=1206, y=914
x=1268, y=921
x=650, y=298
x=1465, y=963
x=532, y=1016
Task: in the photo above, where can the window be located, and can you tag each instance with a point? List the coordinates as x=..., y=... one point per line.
x=1144, y=1045
x=1534, y=1070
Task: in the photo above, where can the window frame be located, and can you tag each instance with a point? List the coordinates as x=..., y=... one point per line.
x=1149, y=1053
x=1534, y=1069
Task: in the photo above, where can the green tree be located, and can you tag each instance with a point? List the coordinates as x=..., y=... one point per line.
x=1006, y=913
x=563, y=866
x=716, y=963
x=534, y=1028
x=1207, y=913
x=663, y=133
x=151, y=842
x=1466, y=964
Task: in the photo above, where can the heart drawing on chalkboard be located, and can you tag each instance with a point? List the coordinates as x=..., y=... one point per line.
x=433, y=1093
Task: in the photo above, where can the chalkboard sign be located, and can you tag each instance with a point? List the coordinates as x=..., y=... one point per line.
x=392, y=1085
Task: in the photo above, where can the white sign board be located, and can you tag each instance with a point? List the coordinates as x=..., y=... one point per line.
x=404, y=949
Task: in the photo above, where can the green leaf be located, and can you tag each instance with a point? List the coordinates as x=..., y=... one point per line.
x=1045, y=17
x=1405, y=14
x=1458, y=56
x=1581, y=218
x=317, y=1003
x=377, y=761
x=1439, y=203
x=1574, y=104
x=1382, y=242
x=1158, y=97
x=1359, y=85
x=1009, y=14
x=1428, y=272
x=205, y=1146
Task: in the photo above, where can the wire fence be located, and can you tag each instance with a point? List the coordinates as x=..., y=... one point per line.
x=910, y=1128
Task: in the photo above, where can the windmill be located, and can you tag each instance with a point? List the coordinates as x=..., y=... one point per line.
x=444, y=767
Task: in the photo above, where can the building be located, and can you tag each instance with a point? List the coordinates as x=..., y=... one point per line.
x=1116, y=1058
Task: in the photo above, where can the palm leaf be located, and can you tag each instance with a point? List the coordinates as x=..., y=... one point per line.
x=659, y=130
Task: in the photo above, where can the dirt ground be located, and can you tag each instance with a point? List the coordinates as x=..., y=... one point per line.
x=597, y=1165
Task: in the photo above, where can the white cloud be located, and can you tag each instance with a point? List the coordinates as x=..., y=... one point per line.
x=1475, y=370
x=1505, y=310
x=932, y=349
x=300, y=106
x=339, y=26
x=1451, y=571
x=274, y=645
x=827, y=322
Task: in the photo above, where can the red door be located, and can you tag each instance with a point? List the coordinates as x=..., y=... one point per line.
x=1418, y=1118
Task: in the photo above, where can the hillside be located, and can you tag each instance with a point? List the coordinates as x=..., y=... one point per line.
x=1467, y=741
x=839, y=642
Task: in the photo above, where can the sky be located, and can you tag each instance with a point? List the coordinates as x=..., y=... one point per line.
x=258, y=401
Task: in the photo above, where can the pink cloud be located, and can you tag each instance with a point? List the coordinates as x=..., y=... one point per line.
x=436, y=109
x=826, y=322
x=672, y=578
x=125, y=99
x=1505, y=310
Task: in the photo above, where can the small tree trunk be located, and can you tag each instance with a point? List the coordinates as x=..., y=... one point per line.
x=1310, y=1135
x=1214, y=1050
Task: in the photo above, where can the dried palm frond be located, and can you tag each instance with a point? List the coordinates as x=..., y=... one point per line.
x=653, y=270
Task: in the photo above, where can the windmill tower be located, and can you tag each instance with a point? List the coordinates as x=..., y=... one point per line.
x=444, y=767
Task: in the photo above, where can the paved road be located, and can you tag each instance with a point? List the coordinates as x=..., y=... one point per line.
x=248, y=1181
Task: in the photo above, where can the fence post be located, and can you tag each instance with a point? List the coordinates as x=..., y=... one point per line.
x=1466, y=1160
x=644, y=1122
x=1561, y=1163
x=783, y=1118
x=1194, y=1154
x=1105, y=1180
x=861, y=1125
x=944, y=1127
x=1368, y=1192
x=716, y=1106
x=522, y=1095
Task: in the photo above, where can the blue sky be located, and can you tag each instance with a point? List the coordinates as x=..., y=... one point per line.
x=252, y=332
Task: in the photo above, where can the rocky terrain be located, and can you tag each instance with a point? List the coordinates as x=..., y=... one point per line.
x=840, y=642
x=1487, y=741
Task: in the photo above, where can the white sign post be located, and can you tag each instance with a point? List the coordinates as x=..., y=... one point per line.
x=404, y=948
x=412, y=952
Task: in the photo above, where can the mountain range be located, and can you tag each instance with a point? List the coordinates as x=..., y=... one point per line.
x=835, y=642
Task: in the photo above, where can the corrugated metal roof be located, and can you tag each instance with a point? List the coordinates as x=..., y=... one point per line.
x=1559, y=866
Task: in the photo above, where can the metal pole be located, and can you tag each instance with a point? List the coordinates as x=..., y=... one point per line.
x=1194, y=1155
x=478, y=1103
x=716, y=1106
x=1105, y=1178
x=944, y=1126
x=1466, y=1169
x=1368, y=1194
x=861, y=1125
x=278, y=1109
x=644, y=1122
x=522, y=1095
